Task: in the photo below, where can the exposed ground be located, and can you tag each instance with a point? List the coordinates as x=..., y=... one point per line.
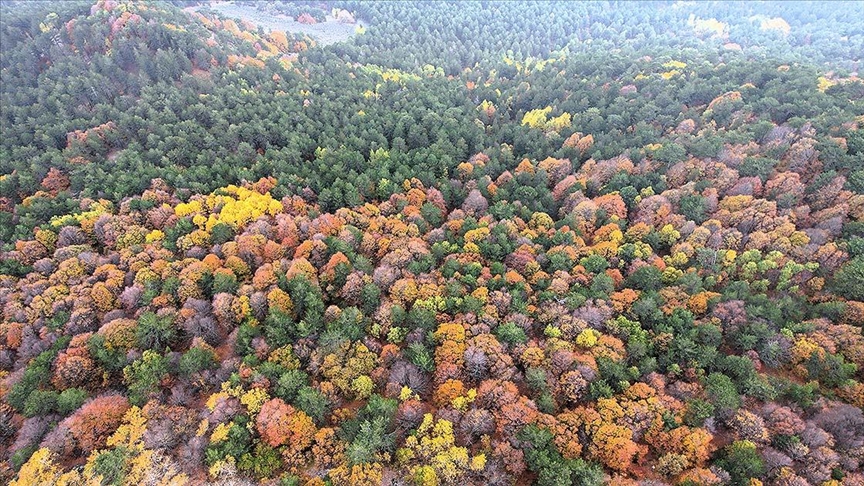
x=326, y=33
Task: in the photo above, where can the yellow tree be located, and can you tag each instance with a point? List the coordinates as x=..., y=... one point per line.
x=433, y=457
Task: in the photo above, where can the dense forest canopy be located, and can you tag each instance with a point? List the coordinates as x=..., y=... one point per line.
x=548, y=243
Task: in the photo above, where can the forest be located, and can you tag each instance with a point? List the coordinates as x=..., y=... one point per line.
x=476, y=243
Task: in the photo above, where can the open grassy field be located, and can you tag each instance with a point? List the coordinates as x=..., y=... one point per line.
x=329, y=32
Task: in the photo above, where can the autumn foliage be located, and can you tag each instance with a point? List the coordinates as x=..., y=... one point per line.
x=673, y=299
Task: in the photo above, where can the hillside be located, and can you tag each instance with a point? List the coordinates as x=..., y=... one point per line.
x=554, y=244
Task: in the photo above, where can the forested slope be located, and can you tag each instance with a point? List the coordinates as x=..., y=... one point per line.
x=479, y=243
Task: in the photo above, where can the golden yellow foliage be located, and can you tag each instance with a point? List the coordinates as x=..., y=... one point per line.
x=39, y=469
x=220, y=433
x=433, y=447
x=539, y=118
x=253, y=399
x=588, y=338
x=776, y=23
x=709, y=26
